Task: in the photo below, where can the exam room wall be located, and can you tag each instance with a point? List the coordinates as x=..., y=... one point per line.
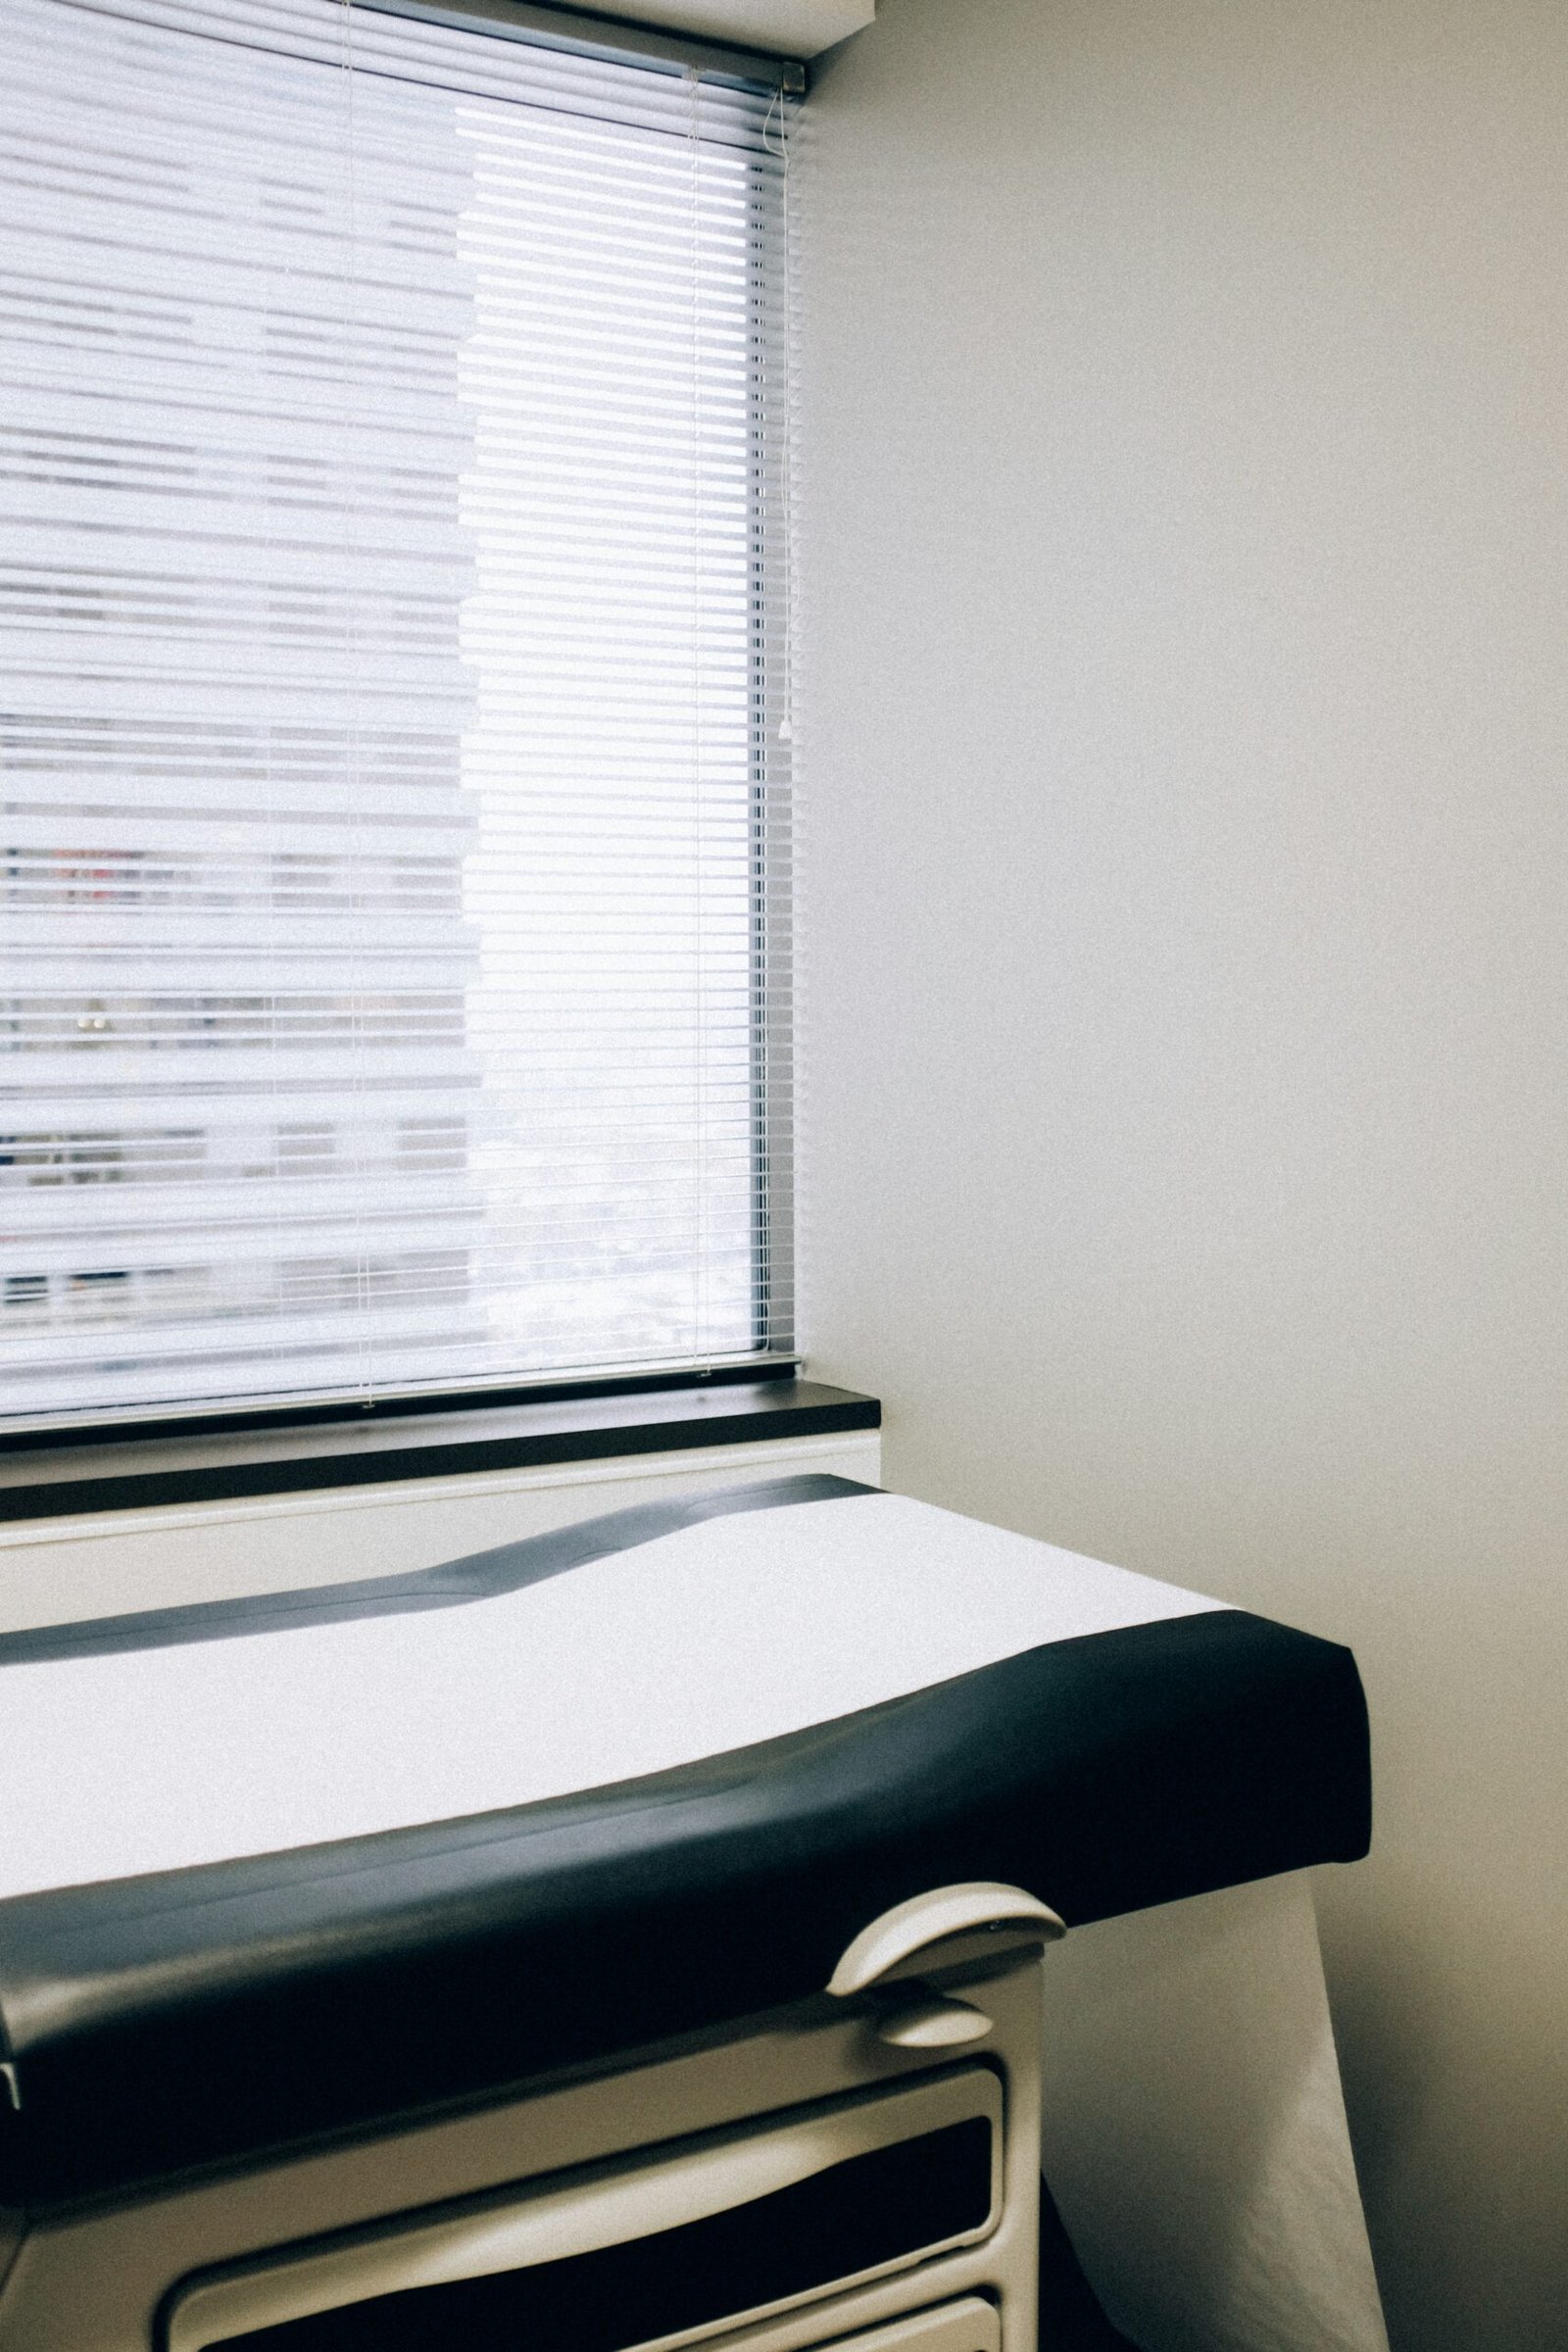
x=1181, y=718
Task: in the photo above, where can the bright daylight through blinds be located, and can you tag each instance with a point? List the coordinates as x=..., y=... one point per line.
x=393, y=711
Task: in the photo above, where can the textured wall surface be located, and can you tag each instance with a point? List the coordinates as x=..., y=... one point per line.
x=1186, y=848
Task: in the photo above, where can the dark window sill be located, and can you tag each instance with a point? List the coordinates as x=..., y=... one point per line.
x=57, y=1481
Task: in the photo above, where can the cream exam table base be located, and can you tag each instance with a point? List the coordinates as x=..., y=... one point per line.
x=280, y=1869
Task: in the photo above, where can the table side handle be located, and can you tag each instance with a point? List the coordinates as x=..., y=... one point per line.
x=916, y=1927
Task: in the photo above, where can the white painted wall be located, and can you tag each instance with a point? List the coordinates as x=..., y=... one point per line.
x=1183, y=706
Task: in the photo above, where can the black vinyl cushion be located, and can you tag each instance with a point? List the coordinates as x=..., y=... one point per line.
x=204, y=2016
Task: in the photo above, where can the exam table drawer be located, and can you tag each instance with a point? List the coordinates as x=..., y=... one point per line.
x=685, y=2242
x=967, y=2326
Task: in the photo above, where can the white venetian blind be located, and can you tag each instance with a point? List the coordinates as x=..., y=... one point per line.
x=393, y=709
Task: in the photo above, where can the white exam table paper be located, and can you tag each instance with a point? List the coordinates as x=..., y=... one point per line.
x=733, y=1630
x=1194, y=2137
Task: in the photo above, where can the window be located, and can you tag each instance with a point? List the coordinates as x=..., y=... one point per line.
x=394, y=726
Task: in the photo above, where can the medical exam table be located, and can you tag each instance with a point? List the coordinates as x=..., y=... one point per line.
x=630, y=1936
